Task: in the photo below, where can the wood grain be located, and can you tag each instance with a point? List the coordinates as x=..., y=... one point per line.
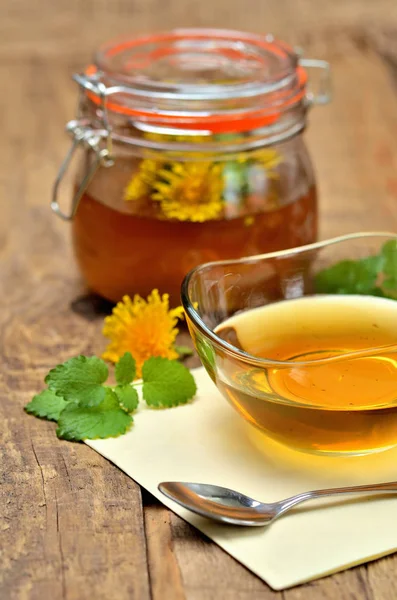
x=72, y=525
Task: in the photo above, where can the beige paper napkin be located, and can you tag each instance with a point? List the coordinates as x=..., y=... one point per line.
x=207, y=441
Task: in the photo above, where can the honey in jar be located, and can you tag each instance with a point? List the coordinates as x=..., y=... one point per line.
x=192, y=152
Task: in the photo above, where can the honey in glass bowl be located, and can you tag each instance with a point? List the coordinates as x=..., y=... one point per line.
x=331, y=402
x=192, y=152
x=303, y=342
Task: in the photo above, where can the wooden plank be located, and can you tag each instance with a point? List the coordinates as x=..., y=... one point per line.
x=165, y=574
x=354, y=144
x=62, y=30
x=194, y=561
x=73, y=524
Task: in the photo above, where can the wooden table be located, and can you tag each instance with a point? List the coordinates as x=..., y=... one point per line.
x=72, y=525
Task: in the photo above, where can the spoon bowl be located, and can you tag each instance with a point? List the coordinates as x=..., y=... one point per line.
x=219, y=503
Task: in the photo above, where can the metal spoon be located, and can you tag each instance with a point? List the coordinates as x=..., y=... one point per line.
x=228, y=506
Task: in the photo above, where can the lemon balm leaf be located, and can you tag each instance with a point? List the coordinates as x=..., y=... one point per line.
x=166, y=383
x=349, y=277
x=389, y=255
x=105, y=420
x=87, y=409
x=127, y=396
x=375, y=275
x=46, y=405
x=125, y=369
x=80, y=379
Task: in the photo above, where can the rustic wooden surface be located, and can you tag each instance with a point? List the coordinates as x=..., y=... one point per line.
x=72, y=525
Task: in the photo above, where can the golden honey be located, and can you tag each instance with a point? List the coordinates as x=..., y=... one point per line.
x=123, y=248
x=329, y=383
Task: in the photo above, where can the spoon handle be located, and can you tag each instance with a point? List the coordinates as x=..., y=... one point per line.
x=376, y=488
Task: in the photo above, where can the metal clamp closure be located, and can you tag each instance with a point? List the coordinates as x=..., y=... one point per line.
x=83, y=134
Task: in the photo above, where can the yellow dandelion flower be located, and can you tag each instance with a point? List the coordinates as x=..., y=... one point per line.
x=190, y=191
x=142, y=182
x=143, y=327
x=193, y=191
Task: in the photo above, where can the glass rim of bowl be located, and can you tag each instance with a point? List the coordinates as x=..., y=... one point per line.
x=262, y=362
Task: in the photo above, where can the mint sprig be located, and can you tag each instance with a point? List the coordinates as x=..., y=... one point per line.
x=85, y=408
x=372, y=276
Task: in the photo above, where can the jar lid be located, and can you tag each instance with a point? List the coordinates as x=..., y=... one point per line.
x=207, y=79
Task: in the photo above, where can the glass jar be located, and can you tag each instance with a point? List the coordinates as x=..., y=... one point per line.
x=192, y=152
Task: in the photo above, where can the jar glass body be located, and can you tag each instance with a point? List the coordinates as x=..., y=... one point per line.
x=144, y=222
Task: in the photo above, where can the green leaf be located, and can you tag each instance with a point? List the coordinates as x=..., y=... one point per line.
x=206, y=353
x=46, y=405
x=350, y=277
x=127, y=396
x=80, y=379
x=125, y=369
x=166, y=382
x=389, y=255
x=78, y=422
x=183, y=351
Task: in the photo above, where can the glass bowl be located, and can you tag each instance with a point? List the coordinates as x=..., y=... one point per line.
x=303, y=342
